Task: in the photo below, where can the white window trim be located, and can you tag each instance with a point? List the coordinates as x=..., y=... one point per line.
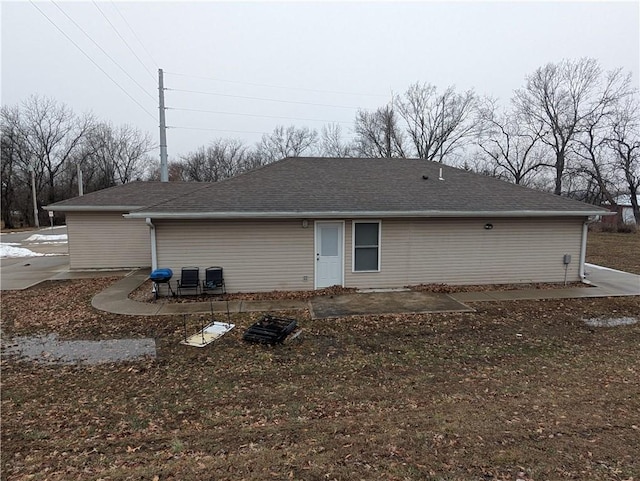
x=353, y=244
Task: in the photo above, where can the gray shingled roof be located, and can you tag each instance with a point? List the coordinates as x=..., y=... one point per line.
x=329, y=187
x=127, y=197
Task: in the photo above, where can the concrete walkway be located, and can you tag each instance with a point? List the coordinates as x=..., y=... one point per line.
x=605, y=283
x=115, y=299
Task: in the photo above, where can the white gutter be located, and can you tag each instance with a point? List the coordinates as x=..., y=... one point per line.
x=154, y=252
x=583, y=246
x=359, y=214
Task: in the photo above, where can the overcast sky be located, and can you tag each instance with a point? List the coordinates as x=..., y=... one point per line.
x=308, y=62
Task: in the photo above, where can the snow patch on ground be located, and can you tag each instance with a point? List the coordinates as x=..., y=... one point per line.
x=610, y=322
x=47, y=239
x=7, y=250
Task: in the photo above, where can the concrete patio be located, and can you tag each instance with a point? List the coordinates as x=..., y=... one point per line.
x=603, y=282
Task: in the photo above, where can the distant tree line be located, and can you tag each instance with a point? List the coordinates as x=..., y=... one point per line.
x=47, y=141
x=572, y=129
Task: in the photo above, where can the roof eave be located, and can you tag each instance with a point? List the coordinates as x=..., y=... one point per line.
x=358, y=214
x=92, y=208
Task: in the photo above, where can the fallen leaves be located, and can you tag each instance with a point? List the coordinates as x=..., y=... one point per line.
x=455, y=396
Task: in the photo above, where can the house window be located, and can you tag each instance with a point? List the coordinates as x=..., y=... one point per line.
x=366, y=246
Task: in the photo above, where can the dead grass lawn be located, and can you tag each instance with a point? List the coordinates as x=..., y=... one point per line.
x=618, y=251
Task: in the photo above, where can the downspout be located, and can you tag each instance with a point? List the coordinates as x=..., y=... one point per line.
x=154, y=253
x=583, y=246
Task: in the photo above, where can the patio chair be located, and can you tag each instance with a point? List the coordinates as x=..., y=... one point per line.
x=189, y=279
x=213, y=280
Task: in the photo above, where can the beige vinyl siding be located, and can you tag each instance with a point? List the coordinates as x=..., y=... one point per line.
x=255, y=255
x=107, y=240
x=462, y=251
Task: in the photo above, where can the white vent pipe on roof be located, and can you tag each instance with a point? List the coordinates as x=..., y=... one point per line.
x=440, y=175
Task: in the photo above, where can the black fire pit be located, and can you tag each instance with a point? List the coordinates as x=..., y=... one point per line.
x=270, y=330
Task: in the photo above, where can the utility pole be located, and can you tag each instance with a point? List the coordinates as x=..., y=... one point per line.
x=33, y=193
x=164, y=169
x=80, y=186
x=442, y=128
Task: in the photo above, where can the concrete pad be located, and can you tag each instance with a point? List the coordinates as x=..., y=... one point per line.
x=383, y=303
x=473, y=296
x=25, y=272
x=93, y=274
x=274, y=305
x=58, y=248
x=622, y=283
x=115, y=298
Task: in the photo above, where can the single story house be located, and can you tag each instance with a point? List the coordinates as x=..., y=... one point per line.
x=623, y=210
x=308, y=223
x=100, y=237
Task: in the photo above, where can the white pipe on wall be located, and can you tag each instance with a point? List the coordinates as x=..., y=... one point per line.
x=154, y=254
x=583, y=246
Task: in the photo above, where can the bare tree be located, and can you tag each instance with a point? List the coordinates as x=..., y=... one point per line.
x=513, y=151
x=561, y=97
x=14, y=161
x=222, y=159
x=114, y=155
x=53, y=134
x=377, y=134
x=625, y=142
x=332, y=143
x=594, y=164
x=286, y=142
x=438, y=124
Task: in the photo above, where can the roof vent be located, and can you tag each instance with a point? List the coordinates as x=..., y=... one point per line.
x=440, y=175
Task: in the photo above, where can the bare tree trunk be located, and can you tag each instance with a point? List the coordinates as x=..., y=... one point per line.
x=560, y=162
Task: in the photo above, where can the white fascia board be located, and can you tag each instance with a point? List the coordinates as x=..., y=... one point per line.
x=92, y=208
x=358, y=214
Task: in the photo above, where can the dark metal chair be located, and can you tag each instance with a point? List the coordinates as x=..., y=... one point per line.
x=213, y=280
x=189, y=279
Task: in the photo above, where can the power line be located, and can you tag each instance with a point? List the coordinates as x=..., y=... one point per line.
x=134, y=33
x=93, y=61
x=264, y=99
x=275, y=86
x=259, y=115
x=216, y=130
x=123, y=40
x=104, y=51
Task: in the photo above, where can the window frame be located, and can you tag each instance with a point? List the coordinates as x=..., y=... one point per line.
x=353, y=245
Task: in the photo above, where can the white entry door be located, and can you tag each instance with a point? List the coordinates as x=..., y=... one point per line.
x=329, y=264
